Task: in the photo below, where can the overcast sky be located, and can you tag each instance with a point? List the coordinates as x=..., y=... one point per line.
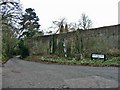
x=101, y=12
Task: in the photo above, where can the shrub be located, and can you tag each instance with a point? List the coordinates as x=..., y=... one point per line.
x=23, y=50
x=113, y=52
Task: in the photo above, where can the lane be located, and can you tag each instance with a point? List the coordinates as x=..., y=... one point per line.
x=23, y=74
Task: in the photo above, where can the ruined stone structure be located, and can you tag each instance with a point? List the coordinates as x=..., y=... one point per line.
x=104, y=40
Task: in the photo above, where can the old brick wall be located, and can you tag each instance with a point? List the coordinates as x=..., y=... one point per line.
x=99, y=40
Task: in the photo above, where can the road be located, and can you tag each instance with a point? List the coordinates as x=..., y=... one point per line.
x=17, y=73
x=0, y=76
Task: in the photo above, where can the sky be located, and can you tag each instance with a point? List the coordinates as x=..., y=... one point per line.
x=101, y=12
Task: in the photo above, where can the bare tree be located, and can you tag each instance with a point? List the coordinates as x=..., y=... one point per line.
x=11, y=11
x=72, y=26
x=85, y=22
x=57, y=25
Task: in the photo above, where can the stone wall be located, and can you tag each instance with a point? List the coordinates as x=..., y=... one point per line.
x=104, y=40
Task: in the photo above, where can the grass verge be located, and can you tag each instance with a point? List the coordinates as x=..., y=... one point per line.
x=114, y=61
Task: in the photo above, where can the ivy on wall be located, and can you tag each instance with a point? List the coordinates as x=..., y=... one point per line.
x=81, y=43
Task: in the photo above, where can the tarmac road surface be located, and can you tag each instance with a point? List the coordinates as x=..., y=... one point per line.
x=17, y=73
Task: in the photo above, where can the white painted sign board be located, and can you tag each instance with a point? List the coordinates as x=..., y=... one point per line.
x=98, y=56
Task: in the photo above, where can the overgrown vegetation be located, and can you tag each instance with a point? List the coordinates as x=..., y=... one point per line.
x=23, y=50
x=16, y=27
x=113, y=61
x=8, y=41
x=10, y=12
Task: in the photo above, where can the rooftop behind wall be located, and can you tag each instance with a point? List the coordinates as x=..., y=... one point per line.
x=104, y=40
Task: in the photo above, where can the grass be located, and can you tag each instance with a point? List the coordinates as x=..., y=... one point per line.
x=114, y=61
